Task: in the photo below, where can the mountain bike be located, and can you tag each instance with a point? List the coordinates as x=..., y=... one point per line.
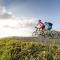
x=38, y=32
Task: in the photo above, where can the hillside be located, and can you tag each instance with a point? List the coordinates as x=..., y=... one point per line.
x=39, y=39
x=21, y=49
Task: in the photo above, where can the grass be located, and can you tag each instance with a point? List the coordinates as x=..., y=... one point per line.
x=12, y=49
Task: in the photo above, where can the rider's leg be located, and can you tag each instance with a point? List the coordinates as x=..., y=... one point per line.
x=42, y=30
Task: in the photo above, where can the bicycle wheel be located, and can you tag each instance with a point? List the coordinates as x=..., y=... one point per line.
x=56, y=34
x=35, y=34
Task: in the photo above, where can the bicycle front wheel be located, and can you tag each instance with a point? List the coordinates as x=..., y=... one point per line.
x=35, y=34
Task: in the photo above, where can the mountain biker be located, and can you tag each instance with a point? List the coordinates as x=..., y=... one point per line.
x=40, y=25
x=48, y=25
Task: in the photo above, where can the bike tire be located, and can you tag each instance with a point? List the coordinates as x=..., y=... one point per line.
x=56, y=34
x=35, y=34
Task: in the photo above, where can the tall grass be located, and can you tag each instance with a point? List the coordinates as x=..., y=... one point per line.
x=12, y=49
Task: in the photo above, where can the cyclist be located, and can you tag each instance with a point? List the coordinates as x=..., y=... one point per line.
x=48, y=25
x=40, y=25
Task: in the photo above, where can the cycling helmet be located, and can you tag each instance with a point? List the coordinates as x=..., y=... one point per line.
x=39, y=20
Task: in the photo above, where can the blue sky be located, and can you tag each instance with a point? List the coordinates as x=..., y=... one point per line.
x=43, y=9
x=34, y=8
x=30, y=11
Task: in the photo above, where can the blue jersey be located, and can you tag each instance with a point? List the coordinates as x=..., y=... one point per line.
x=48, y=25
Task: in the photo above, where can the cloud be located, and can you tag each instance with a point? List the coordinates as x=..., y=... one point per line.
x=4, y=14
x=26, y=23
x=15, y=28
x=10, y=25
x=13, y=21
x=18, y=23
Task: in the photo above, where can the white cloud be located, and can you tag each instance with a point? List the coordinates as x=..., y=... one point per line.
x=10, y=25
x=15, y=28
x=4, y=14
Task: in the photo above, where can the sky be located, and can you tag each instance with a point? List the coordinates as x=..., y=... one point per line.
x=18, y=17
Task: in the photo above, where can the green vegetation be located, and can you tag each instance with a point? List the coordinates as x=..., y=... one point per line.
x=12, y=49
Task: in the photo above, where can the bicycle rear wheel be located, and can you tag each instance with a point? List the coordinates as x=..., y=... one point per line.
x=48, y=34
x=56, y=34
